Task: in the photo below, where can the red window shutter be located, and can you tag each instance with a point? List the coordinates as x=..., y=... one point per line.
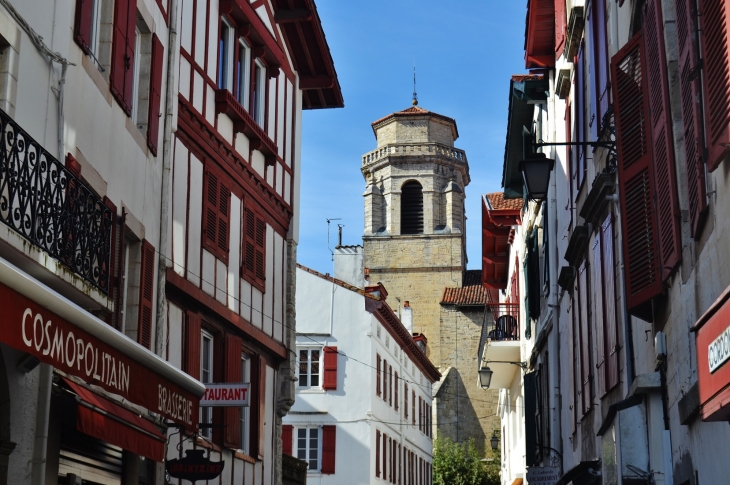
x=405, y=401
x=390, y=460
x=689, y=87
x=377, y=453
x=146, y=295
x=232, y=373
x=385, y=380
x=153, y=117
x=390, y=385
x=378, y=392
x=716, y=77
x=192, y=345
x=287, y=437
x=330, y=369
x=399, y=460
x=397, y=385
x=254, y=248
x=610, y=318
x=636, y=179
x=597, y=276
x=667, y=206
x=216, y=210
x=413, y=407
x=585, y=336
x=123, y=40
x=385, y=456
x=257, y=389
x=82, y=24
x=420, y=413
x=599, y=66
x=580, y=119
x=560, y=24
x=329, y=435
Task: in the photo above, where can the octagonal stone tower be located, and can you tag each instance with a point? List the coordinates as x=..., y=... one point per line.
x=415, y=238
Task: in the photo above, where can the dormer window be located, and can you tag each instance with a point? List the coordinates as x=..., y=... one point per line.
x=411, y=215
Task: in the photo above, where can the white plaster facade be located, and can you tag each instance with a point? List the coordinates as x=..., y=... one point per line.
x=334, y=313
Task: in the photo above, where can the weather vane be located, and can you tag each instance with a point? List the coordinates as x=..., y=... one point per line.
x=415, y=96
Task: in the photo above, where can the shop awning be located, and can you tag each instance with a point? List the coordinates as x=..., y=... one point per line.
x=105, y=420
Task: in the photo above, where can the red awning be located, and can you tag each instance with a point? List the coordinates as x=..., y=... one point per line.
x=101, y=418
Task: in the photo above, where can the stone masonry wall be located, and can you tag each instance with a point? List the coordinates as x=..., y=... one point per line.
x=464, y=410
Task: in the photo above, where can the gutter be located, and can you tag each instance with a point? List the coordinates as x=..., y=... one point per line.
x=64, y=308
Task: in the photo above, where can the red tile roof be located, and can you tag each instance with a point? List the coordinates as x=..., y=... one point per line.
x=518, y=78
x=338, y=282
x=471, y=293
x=416, y=111
x=498, y=202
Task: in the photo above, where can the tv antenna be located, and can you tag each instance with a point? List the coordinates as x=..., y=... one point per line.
x=415, y=96
x=332, y=253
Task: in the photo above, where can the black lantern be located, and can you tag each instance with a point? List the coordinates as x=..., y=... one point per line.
x=494, y=441
x=485, y=377
x=536, y=175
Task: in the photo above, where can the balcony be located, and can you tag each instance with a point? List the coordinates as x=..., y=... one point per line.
x=46, y=204
x=501, y=335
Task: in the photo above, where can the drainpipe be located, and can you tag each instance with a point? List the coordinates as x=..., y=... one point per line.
x=43, y=409
x=170, y=100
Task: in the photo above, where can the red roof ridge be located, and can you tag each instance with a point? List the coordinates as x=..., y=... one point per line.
x=416, y=111
x=338, y=282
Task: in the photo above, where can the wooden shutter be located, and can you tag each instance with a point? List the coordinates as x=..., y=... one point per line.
x=123, y=41
x=329, y=435
x=413, y=407
x=330, y=369
x=378, y=392
x=233, y=370
x=390, y=385
x=610, y=317
x=716, y=77
x=576, y=400
x=146, y=295
x=192, y=345
x=568, y=214
x=153, y=117
x=600, y=330
x=385, y=380
x=585, y=336
x=397, y=385
x=254, y=248
x=689, y=87
x=216, y=207
x=405, y=401
x=580, y=118
x=385, y=456
x=83, y=24
x=560, y=24
x=377, y=453
x=287, y=438
x=636, y=179
x=667, y=207
x=599, y=65
x=257, y=389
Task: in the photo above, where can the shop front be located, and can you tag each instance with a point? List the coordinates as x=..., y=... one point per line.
x=713, y=359
x=108, y=401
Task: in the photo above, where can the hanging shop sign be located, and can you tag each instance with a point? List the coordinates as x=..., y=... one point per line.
x=31, y=328
x=713, y=359
x=227, y=394
x=543, y=475
x=195, y=466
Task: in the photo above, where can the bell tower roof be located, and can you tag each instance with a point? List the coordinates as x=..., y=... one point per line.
x=416, y=113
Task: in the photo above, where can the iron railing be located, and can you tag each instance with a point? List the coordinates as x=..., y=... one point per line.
x=46, y=204
x=502, y=321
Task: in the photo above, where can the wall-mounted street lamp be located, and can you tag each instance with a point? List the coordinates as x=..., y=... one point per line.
x=494, y=441
x=485, y=373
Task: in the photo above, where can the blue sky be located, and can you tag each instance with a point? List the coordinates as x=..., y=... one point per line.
x=465, y=52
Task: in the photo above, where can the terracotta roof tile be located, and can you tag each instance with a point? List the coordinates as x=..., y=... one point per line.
x=471, y=293
x=526, y=77
x=498, y=202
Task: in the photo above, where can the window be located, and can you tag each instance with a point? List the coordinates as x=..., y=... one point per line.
x=225, y=55
x=377, y=453
x=405, y=401
x=206, y=376
x=216, y=210
x=390, y=384
x=308, y=448
x=87, y=25
x=245, y=411
x=385, y=381
x=309, y=368
x=259, y=93
x=411, y=217
x=135, y=73
x=378, y=387
x=413, y=406
x=243, y=74
x=253, y=266
x=95, y=24
x=397, y=384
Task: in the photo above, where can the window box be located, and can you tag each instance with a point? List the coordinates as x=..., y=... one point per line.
x=596, y=201
x=577, y=245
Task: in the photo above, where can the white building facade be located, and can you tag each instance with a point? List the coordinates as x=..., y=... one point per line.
x=363, y=407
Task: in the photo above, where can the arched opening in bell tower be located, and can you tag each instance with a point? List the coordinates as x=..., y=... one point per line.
x=411, y=208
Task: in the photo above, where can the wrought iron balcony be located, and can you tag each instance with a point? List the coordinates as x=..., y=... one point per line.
x=502, y=321
x=51, y=208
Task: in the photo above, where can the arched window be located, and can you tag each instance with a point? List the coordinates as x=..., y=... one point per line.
x=411, y=208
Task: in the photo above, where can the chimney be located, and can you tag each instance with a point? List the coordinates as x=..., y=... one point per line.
x=406, y=316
